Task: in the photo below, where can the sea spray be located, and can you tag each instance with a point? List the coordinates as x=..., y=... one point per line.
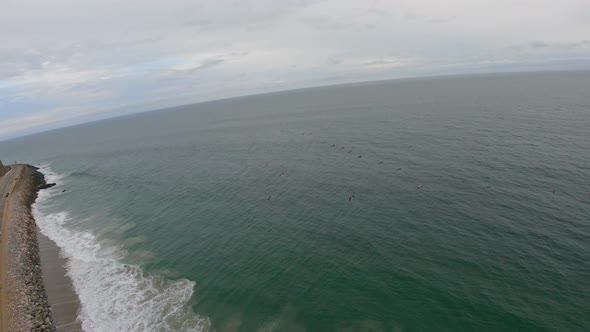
x=115, y=296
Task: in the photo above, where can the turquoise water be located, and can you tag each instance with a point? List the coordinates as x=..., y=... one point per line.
x=439, y=204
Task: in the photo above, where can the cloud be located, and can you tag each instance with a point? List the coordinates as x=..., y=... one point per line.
x=390, y=62
x=582, y=44
x=207, y=63
x=324, y=23
x=16, y=61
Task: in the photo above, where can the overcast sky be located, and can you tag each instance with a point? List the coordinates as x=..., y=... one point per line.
x=68, y=61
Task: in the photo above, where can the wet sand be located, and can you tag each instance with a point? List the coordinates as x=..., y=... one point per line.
x=64, y=302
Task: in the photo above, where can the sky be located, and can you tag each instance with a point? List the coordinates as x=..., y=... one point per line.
x=64, y=62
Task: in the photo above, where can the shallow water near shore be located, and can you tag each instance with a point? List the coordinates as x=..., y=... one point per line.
x=455, y=203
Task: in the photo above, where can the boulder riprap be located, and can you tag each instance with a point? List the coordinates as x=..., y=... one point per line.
x=46, y=185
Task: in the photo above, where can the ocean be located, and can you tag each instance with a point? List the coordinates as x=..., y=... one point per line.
x=430, y=204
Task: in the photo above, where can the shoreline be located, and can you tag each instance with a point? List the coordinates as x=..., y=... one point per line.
x=29, y=264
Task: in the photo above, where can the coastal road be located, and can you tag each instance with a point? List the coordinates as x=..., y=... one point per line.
x=7, y=183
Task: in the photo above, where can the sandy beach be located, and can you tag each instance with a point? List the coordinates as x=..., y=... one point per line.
x=61, y=296
x=35, y=293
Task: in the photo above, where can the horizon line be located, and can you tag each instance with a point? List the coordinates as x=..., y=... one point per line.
x=290, y=90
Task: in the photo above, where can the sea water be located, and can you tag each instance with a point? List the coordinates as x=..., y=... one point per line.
x=454, y=203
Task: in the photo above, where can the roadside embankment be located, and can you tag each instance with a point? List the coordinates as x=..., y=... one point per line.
x=24, y=305
x=3, y=169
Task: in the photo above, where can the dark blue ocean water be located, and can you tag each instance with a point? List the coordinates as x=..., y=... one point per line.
x=436, y=204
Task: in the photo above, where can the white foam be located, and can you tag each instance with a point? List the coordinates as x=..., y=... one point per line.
x=50, y=175
x=115, y=296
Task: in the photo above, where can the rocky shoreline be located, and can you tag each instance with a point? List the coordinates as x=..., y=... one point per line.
x=27, y=307
x=3, y=169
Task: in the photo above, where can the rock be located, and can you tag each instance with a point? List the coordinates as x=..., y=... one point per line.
x=47, y=185
x=3, y=170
